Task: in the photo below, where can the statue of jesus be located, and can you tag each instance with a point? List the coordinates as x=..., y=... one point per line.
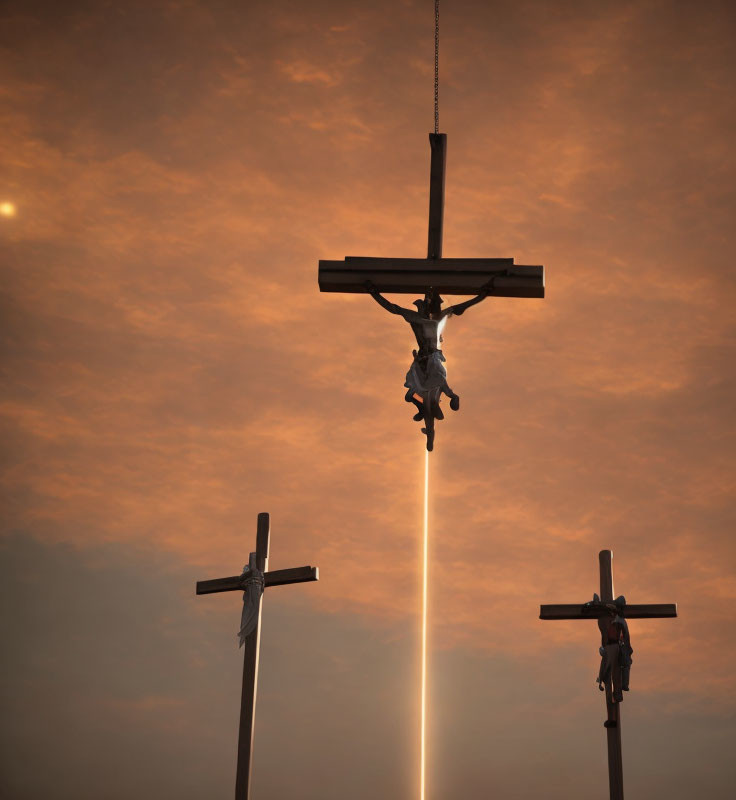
x=615, y=650
x=426, y=379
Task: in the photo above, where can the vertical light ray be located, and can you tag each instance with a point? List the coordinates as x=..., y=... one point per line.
x=425, y=560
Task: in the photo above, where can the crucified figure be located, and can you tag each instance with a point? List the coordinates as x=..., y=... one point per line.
x=615, y=650
x=426, y=379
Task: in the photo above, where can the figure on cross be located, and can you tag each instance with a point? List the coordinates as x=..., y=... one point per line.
x=615, y=650
x=426, y=380
x=613, y=677
x=253, y=584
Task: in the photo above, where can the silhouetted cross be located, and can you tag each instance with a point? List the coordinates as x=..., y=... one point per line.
x=602, y=611
x=278, y=577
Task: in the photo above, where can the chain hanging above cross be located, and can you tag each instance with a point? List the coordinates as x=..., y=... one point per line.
x=254, y=578
x=426, y=380
x=615, y=650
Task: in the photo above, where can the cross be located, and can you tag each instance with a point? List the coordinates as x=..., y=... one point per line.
x=599, y=611
x=279, y=577
x=433, y=274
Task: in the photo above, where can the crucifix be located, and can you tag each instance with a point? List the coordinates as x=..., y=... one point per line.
x=252, y=581
x=615, y=652
x=426, y=380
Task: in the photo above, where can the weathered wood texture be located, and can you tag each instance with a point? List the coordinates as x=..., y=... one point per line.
x=231, y=584
x=277, y=577
x=251, y=654
x=282, y=577
x=447, y=275
x=488, y=266
x=605, y=564
x=615, y=752
x=438, y=144
x=633, y=611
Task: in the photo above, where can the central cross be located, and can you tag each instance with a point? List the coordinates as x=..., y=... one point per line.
x=433, y=274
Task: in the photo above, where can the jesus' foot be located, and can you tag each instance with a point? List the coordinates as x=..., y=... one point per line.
x=430, y=439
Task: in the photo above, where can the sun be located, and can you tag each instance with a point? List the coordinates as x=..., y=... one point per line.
x=7, y=209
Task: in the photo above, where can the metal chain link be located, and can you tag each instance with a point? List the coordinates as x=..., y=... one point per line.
x=436, y=66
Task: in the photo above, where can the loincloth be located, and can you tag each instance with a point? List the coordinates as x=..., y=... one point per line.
x=427, y=373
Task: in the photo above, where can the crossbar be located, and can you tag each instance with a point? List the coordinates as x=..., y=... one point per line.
x=483, y=265
x=277, y=577
x=461, y=276
x=282, y=577
x=633, y=611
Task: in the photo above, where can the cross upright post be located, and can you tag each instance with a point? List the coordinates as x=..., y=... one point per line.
x=613, y=715
x=438, y=144
x=605, y=610
x=252, y=581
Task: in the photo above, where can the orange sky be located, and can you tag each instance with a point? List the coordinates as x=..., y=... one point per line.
x=171, y=369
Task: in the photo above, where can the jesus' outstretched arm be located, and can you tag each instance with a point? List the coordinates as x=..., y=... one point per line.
x=387, y=304
x=461, y=308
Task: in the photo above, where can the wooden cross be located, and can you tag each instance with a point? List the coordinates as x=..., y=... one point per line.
x=236, y=583
x=433, y=274
x=599, y=611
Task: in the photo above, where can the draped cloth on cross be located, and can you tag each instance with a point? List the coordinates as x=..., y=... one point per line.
x=253, y=585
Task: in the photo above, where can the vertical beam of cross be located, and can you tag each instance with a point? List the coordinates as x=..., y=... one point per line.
x=279, y=577
x=601, y=611
x=613, y=729
x=250, y=672
x=438, y=144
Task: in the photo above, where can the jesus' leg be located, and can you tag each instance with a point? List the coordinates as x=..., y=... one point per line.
x=616, y=676
x=428, y=428
x=437, y=410
x=613, y=669
x=411, y=397
x=454, y=398
x=603, y=670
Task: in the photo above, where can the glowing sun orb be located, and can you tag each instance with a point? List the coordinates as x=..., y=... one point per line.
x=7, y=209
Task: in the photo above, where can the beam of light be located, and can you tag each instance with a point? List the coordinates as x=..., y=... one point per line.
x=425, y=562
x=7, y=209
